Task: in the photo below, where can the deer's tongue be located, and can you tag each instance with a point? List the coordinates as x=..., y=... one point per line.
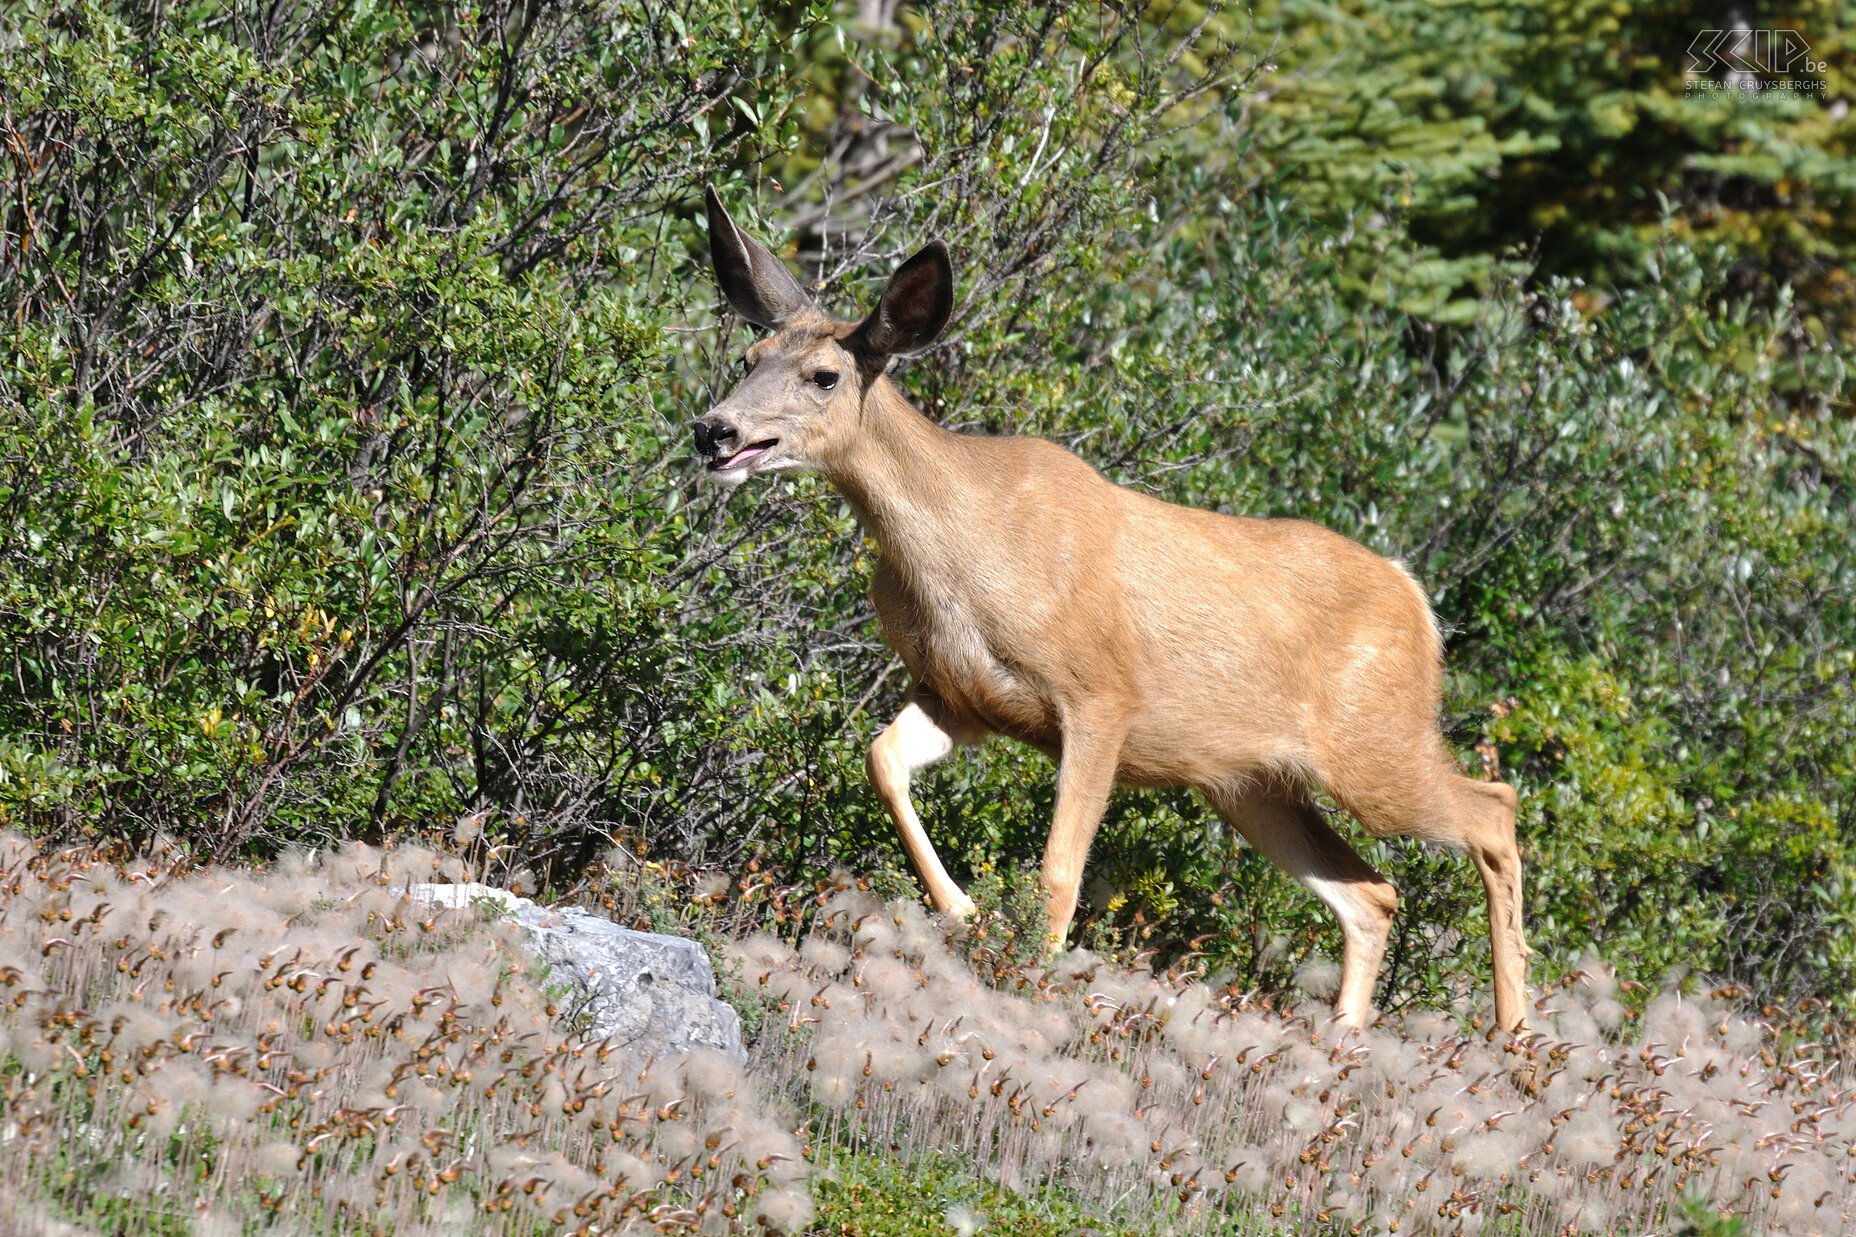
x=744, y=456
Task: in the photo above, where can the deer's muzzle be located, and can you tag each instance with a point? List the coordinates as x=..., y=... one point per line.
x=713, y=435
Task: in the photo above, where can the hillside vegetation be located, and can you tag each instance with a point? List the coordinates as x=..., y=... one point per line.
x=306, y=1051
x=351, y=349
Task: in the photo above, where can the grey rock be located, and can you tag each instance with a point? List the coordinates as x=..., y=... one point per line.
x=647, y=992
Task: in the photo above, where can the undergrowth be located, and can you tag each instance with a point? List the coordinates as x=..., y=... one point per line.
x=201, y=1050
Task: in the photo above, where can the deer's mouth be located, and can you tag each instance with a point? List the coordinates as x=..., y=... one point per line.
x=742, y=458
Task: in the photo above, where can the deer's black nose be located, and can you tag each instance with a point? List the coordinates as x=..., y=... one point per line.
x=712, y=436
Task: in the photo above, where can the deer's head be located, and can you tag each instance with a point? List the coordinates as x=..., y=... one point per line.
x=800, y=400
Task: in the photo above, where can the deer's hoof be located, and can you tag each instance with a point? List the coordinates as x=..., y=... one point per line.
x=959, y=909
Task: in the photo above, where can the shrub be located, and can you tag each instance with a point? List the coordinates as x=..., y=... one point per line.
x=341, y=488
x=324, y=417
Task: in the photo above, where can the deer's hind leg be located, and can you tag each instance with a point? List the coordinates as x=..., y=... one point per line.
x=1487, y=810
x=1284, y=823
x=924, y=732
x=1482, y=816
x=1429, y=799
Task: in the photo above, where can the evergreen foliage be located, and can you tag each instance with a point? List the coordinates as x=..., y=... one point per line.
x=1455, y=141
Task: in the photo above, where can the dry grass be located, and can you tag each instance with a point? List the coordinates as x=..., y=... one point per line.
x=302, y=1050
x=1152, y=1099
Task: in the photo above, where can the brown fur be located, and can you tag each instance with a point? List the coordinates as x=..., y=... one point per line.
x=1139, y=643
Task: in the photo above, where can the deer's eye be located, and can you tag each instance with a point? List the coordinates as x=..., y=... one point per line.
x=825, y=379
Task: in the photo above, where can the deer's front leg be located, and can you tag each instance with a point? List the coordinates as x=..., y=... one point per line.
x=1085, y=776
x=924, y=732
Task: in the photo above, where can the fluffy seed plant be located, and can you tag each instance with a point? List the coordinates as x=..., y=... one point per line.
x=304, y=1050
x=1174, y=1107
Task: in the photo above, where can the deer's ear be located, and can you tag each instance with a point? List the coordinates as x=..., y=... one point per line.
x=915, y=307
x=755, y=282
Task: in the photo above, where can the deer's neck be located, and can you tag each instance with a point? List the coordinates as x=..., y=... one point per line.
x=910, y=482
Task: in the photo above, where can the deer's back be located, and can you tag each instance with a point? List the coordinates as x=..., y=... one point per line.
x=1268, y=643
x=1229, y=644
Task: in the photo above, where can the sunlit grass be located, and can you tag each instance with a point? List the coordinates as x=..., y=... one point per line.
x=303, y=1050
x=1172, y=1105
x=307, y=1051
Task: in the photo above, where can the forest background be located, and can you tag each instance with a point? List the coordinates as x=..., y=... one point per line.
x=351, y=348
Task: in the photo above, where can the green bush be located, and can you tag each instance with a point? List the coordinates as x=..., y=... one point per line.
x=326, y=428
x=1449, y=143
x=343, y=491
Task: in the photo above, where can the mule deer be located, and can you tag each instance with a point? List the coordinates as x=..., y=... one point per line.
x=1134, y=641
